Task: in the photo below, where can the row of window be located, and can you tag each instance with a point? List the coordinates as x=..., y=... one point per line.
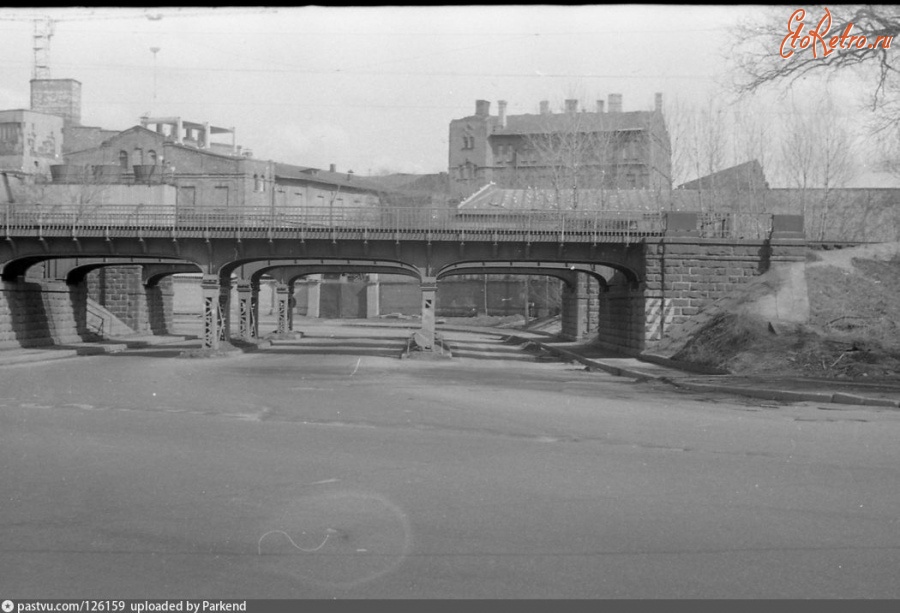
x=9, y=131
x=137, y=158
x=465, y=172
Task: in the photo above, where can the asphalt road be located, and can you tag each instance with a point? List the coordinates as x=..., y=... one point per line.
x=328, y=468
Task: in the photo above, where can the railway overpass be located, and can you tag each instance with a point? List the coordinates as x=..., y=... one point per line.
x=654, y=269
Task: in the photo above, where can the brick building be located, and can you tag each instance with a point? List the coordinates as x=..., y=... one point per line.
x=608, y=149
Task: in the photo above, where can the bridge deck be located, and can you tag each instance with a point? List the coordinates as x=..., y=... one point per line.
x=363, y=223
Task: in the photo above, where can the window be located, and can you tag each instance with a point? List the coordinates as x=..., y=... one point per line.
x=220, y=195
x=9, y=132
x=138, y=155
x=123, y=159
x=186, y=197
x=152, y=155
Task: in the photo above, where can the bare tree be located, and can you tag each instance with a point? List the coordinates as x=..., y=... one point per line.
x=699, y=136
x=817, y=154
x=776, y=50
x=571, y=152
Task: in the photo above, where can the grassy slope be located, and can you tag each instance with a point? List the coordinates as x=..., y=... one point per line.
x=852, y=333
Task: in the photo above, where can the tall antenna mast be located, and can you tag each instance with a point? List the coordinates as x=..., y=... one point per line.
x=43, y=32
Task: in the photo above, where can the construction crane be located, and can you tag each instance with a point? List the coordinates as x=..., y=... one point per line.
x=45, y=26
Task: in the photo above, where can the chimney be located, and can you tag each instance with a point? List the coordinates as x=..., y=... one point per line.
x=571, y=106
x=545, y=107
x=501, y=110
x=599, y=106
x=658, y=102
x=482, y=108
x=615, y=103
x=332, y=168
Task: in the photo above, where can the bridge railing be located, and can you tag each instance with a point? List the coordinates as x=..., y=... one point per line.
x=756, y=226
x=607, y=226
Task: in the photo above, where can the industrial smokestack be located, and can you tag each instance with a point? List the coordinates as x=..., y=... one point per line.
x=615, y=103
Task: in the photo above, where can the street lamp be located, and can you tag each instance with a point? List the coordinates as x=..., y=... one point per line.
x=154, y=51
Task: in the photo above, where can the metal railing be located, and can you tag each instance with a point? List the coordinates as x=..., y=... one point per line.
x=756, y=226
x=368, y=222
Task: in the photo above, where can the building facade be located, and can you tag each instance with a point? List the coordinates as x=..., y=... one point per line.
x=30, y=142
x=572, y=149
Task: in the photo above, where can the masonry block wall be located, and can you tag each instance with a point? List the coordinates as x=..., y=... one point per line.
x=160, y=301
x=685, y=275
x=580, y=313
x=39, y=314
x=621, y=324
x=121, y=291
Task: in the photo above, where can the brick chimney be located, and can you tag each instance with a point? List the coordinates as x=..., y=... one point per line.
x=571, y=106
x=615, y=103
x=482, y=108
x=658, y=102
x=501, y=110
x=545, y=107
x=599, y=106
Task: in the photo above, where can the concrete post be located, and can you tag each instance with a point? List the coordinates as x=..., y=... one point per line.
x=211, y=291
x=574, y=315
x=425, y=337
x=373, y=295
x=313, y=295
x=282, y=294
x=245, y=309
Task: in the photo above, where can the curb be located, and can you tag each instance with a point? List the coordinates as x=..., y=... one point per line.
x=790, y=396
x=764, y=394
x=617, y=371
x=31, y=357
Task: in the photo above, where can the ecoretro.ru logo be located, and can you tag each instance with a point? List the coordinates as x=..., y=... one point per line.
x=818, y=40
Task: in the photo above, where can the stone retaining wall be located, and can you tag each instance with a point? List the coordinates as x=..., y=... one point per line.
x=42, y=313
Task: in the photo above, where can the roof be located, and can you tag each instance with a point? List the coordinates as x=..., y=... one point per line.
x=582, y=121
x=316, y=175
x=434, y=182
x=492, y=198
x=749, y=175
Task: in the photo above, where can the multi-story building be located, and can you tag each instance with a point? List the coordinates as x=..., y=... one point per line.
x=30, y=142
x=605, y=149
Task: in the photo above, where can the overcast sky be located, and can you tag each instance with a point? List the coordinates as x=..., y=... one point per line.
x=368, y=89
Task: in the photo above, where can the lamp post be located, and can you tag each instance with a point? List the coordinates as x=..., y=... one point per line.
x=154, y=51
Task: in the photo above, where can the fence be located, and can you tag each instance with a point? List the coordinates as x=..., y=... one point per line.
x=373, y=222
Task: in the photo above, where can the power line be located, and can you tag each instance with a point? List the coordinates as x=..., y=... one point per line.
x=340, y=71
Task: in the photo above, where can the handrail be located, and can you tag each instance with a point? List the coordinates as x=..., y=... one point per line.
x=607, y=226
x=92, y=310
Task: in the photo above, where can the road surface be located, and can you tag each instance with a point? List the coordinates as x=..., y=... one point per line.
x=328, y=468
